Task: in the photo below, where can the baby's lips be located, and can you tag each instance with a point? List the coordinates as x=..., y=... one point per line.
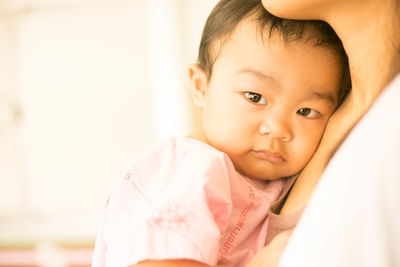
x=275, y=158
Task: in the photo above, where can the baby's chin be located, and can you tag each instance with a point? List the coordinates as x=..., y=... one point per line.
x=262, y=175
x=263, y=170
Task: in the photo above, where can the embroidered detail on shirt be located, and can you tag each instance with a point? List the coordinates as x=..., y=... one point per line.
x=172, y=217
x=107, y=201
x=127, y=176
x=229, y=242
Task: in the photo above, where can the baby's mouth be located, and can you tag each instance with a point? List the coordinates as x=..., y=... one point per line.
x=275, y=158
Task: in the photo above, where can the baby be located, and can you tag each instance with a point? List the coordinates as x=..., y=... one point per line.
x=265, y=88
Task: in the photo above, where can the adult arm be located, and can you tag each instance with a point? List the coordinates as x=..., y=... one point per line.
x=170, y=263
x=270, y=255
x=266, y=257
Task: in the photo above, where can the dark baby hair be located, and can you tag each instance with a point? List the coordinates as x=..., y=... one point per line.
x=227, y=14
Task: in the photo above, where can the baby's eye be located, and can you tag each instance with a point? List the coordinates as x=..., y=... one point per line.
x=309, y=113
x=255, y=98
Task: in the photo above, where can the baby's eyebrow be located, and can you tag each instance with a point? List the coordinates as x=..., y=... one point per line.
x=323, y=96
x=257, y=73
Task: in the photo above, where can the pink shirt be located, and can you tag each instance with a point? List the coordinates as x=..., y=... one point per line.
x=183, y=199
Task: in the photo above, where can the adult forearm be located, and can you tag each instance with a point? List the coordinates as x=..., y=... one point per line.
x=172, y=263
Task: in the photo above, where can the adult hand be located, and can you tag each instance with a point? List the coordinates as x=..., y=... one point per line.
x=270, y=255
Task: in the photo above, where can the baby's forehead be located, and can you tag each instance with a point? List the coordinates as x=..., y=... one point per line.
x=265, y=35
x=289, y=30
x=280, y=33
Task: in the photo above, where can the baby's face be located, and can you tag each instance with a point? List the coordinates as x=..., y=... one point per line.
x=266, y=104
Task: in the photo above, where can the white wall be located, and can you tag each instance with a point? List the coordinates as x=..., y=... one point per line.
x=91, y=79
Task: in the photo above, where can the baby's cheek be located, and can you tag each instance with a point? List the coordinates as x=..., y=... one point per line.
x=304, y=151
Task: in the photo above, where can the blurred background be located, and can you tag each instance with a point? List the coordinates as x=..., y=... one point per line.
x=84, y=85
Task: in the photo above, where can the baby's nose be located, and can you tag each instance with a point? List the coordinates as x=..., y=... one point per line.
x=277, y=127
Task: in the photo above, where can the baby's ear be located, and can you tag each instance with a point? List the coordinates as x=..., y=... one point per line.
x=198, y=84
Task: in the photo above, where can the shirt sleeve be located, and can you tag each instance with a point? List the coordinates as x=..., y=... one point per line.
x=171, y=204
